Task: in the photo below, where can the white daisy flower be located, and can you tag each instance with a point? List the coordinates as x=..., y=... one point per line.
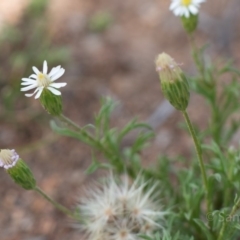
x=185, y=7
x=121, y=211
x=43, y=80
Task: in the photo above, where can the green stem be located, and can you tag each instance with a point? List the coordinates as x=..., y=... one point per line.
x=234, y=210
x=92, y=141
x=70, y=122
x=54, y=203
x=196, y=55
x=199, y=155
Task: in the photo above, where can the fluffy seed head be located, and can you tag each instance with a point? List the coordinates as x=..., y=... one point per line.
x=120, y=210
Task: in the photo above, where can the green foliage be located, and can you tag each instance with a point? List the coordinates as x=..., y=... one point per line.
x=37, y=8
x=100, y=21
x=108, y=141
x=219, y=86
x=185, y=197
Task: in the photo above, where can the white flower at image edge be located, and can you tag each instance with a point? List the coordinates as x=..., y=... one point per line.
x=43, y=80
x=185, y=7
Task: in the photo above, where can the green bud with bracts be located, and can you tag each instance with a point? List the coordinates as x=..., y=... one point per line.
x=190, y=23
x=173, y=82
x=51, y=103
x=17, y=169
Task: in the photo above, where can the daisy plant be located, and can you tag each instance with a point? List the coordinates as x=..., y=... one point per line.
x=195, y=197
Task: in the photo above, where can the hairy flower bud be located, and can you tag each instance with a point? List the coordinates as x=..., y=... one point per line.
x=190, y=23
x=17, y=169
x=173, y=81
x=51, y=103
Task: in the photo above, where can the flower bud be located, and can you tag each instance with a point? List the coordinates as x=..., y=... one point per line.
x=17, y=169
x=173, y=81
x=51, y=103
x=190, y=23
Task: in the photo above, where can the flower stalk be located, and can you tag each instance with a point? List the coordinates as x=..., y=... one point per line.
x=195, y=54
x=54, y=203
x=69, y=122
x=90, y=139
x=199, y=155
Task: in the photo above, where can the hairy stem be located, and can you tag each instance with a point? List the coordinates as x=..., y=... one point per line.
x=54, y=203
x=69, y=122
x=98, y=145
x=199, y=155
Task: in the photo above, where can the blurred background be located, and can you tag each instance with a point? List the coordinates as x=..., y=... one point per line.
x=108, y=48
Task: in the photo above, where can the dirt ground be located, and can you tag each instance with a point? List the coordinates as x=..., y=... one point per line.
x=118, y=62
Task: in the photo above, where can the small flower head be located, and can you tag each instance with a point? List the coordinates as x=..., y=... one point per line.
x=17, y=169
x=43, y=80
x=46, y=88
x=8, y=158
x=122, y=211
x=185, y=7
x=173, y=81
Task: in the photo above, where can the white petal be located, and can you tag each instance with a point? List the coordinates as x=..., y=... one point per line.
x=173, y=5
x=26, y=79
x=33, y=76
x=193, y=10
x=57, y=85
x=58, y=74
x=29, y=87
x=179, y=11
x=39, y=92
x=45, y=67
x=54, y=70
x=54, y=91
x=31, y=94
x=35, y=70
x=186, y=13
x=28, y=82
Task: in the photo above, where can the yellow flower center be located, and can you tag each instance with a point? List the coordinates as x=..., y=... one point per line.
x=6, y=156
x=43, y=80
x=186, y=2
